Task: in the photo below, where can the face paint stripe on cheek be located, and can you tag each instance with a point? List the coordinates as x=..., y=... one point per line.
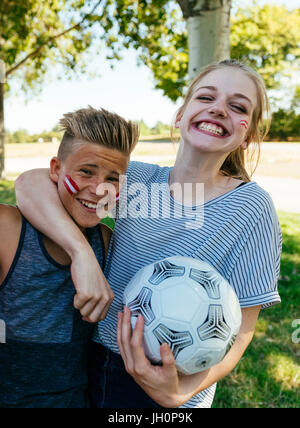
x=70, y=185
x=244, y=123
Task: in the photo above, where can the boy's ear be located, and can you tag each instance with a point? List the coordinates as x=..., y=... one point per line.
x=55, y=169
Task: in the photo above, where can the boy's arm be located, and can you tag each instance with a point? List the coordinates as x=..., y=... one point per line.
x=10, y=230
x=39, y=202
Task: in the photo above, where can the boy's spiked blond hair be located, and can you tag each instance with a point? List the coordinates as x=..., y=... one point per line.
x=89, y=125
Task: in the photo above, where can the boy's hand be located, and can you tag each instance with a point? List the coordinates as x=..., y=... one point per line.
x=93, y=293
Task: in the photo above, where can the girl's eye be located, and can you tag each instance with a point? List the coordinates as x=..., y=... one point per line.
x=239, y=108
x=114, y=179
x=204, y=98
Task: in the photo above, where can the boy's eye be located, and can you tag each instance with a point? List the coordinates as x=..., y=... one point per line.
x=114, y=179
x=85, y=171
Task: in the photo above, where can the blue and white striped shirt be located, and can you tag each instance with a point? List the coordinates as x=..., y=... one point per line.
x=240, y=237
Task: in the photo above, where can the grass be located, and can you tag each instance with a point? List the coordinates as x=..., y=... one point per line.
x=268, y=376
x=7, y=194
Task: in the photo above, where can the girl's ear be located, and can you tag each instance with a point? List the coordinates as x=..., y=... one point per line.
x=55, y=169
x=177, y=118
x=244, y=145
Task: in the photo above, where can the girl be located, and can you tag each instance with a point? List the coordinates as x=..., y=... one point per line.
x=239, y=234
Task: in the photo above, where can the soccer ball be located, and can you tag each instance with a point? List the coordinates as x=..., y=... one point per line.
x=186, y=303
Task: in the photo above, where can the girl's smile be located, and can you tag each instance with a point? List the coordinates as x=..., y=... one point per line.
x=211, y=127
x=222, y=99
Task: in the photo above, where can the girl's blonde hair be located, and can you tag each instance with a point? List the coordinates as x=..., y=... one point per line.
x=235, y=163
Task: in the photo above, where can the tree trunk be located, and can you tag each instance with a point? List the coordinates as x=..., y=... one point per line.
x=2, y=130
x=208, y=25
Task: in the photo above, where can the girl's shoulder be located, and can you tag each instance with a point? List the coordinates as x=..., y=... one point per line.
x=253, y=201
x=142, y=172
x=252, y=192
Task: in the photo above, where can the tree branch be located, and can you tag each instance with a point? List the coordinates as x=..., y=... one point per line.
x=37, y=51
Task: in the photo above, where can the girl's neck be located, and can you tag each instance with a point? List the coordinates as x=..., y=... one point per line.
x=193, y=167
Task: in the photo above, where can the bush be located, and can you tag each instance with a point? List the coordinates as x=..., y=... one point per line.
x=285, y=125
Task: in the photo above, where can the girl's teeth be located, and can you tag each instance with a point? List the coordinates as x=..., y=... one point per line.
x=211, y=128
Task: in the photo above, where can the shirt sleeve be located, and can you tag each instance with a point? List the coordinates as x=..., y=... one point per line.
x=256, y=271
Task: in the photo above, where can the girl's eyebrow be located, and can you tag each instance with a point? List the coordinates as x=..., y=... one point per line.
x=213, y=88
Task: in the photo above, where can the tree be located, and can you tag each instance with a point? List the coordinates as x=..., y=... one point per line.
x=268, y=38
x=164, y=31
x=208, y=27
x=174, y=38
x=35, y=34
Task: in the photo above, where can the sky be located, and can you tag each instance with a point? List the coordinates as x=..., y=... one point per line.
x=127, y=90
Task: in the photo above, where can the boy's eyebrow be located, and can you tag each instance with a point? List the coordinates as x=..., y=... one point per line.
x=213, y=88
x=90, y=165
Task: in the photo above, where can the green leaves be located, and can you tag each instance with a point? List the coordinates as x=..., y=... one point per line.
x=267, y=38
x=35, y=34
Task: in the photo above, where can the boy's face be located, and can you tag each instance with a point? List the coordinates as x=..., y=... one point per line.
x=89, y=166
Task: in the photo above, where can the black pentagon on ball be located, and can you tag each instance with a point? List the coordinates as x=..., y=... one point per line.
x=163, y=270
x=208, y=280
x=141, y=305
x=215, y=325
x=177, y=340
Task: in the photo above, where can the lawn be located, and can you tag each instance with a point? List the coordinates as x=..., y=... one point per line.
x=268, y=376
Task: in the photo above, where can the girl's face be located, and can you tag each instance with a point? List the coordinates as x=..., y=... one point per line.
x=219, y=112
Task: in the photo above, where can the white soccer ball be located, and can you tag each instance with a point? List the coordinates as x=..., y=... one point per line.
x=186, y=303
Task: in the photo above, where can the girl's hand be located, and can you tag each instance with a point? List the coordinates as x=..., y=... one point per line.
x=161, y=383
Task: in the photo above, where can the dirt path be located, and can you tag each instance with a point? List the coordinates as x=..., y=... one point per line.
x=278, y=173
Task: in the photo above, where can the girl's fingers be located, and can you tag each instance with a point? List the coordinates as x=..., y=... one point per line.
x=141, y=362
x=125, y=338
x=167, y=358
x=119, y=329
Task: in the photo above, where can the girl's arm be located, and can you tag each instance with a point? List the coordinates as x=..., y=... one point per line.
x=162, y=383
x=39, y=201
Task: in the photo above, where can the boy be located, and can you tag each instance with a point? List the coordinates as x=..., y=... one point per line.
x=43, y=362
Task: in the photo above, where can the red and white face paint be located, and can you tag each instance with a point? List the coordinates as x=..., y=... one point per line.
x=244, y=123
x=70, y=185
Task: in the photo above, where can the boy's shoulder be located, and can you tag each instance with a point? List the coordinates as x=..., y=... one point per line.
x=9, y=213
x=10, y=222
x=10, y=230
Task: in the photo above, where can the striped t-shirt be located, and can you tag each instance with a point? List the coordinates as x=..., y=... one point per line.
x=238, y=234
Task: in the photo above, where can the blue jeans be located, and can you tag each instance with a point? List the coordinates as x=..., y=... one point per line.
x=110, y=386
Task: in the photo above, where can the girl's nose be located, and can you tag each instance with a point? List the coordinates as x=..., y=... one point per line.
x=218, y=109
